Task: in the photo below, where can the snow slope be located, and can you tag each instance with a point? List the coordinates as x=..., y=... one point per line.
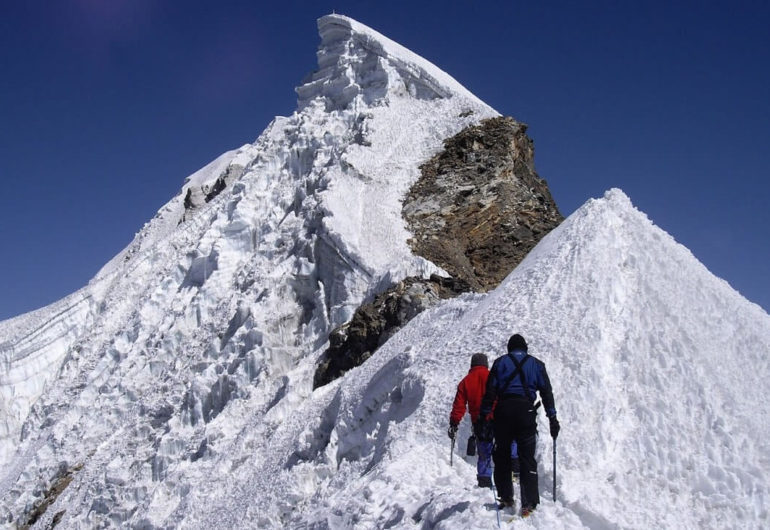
x=318, y=198
x=659, y=371
x=181, y=394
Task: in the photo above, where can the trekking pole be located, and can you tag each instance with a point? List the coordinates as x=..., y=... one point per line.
x=554, y=470
x=452, y=452
x=494, y=498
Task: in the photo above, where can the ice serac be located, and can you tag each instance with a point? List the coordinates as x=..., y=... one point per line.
x=355, y=60
x=207, y=325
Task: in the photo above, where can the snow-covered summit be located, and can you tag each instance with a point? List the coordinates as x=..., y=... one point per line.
x=175, y=390
x=354, y=59
x=237, y=279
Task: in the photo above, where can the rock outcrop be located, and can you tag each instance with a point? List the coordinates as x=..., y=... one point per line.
x=374, y=323
x=477, y=210
x=479, y=206
x=197, y=195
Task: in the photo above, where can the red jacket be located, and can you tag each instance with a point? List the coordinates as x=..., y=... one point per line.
x=470, y=391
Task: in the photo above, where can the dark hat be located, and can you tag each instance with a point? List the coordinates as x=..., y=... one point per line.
x=517, y=342
x=479, y=359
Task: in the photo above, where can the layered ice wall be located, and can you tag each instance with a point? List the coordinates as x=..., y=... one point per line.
x=220, y=298
x=31, y=349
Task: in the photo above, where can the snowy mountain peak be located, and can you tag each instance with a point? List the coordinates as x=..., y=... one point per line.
x=226, y=297
x=176, y=389
x=354, y=60
x=618, y=197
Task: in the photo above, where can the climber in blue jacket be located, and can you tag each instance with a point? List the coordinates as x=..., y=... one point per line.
x=510, y=391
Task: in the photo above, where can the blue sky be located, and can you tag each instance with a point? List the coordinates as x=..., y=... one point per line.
x=106, y=106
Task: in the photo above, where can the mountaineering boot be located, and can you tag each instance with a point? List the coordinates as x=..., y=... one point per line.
x=526, y=511
x=485, y=482
x=505, y=503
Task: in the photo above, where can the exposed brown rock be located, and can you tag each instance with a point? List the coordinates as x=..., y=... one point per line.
x=479, y=206
x=60, y=483
x=196, y=196
x=374, y=323
x=477, y=210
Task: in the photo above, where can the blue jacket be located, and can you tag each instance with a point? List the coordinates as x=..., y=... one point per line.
x=534, y=373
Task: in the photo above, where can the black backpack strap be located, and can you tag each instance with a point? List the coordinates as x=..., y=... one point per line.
x=520, y=371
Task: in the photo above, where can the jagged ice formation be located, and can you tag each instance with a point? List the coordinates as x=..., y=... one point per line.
x=264, y=250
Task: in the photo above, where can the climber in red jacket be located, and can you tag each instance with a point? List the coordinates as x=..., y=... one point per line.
x=469, y=394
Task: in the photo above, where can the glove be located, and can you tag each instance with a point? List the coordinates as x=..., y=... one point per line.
x=452, y=432
x=554, y=427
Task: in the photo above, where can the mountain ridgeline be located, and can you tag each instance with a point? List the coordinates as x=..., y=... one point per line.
x=279, y=346
x=476, y=211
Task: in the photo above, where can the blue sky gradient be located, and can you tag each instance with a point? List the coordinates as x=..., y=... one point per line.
x=106, y=106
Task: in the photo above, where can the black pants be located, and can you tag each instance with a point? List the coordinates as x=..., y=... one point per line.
x=516, y=419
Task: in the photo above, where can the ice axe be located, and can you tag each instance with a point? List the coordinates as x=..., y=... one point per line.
x=554, y=470
x=452, y=451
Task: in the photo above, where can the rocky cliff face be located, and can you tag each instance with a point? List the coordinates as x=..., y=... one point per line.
x=374, y=323
x=478, y=208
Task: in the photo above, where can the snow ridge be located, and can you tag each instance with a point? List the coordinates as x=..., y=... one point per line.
x=655, y=432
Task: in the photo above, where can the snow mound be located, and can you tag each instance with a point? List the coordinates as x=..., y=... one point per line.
x=650, y=356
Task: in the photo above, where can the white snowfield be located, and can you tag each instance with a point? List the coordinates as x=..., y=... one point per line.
x=175, y=390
